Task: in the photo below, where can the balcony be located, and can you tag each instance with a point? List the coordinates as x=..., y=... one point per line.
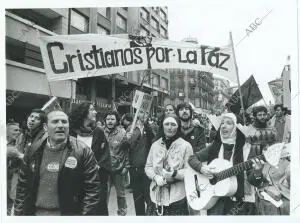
x=145, y=22
x=120, y=30
x=24, y=30
x=22, y=77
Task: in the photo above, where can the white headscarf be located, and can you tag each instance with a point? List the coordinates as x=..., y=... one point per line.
x=231, y=139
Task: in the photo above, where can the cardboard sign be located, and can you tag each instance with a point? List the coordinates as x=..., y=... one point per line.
x=142, y=101
x=137, y=99
x=276, y=87
x=273, y=153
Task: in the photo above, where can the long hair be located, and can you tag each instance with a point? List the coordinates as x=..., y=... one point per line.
x=115, y=113
x=78, y=114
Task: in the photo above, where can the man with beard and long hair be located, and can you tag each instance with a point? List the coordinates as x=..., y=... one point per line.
x=266, y=178
x=118, y=147
x=190, y=132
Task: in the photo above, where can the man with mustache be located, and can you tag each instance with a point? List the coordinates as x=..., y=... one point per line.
x=60, y=176
x=266, y=178
x=194, y=134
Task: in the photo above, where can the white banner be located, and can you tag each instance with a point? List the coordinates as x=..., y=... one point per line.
x=81, y=56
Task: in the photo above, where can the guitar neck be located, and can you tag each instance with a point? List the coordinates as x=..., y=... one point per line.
x=235, y=170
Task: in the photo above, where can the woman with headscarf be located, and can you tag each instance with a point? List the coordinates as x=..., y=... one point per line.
x=228, y=145
x=165, y=166
x=83, y=127
x=169, y=109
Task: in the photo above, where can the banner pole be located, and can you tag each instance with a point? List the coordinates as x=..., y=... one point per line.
x=238, y=79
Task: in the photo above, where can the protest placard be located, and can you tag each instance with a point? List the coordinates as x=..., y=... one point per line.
x=142, y=102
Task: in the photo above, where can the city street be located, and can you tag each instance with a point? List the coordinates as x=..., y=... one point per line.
x=113, y=207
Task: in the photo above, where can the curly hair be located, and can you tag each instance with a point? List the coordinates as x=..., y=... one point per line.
x=257, y=109
x=78, y=114
x=115, y=113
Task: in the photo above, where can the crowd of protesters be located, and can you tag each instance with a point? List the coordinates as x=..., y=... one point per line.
x=66, y=164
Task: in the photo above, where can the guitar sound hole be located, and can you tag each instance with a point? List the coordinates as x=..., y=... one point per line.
x=213, y=181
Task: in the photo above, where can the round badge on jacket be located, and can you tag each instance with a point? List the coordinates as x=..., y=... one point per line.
x=71, y=162
x=192, y=137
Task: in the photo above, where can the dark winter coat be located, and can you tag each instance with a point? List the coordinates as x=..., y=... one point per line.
x=78, y=187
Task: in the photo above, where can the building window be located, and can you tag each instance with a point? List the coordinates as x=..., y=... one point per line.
x=121, y=22
x=154, y=23
x=101, y=30
x=144, y=78
x=79, y=21
x=35, y=17
x=163, y=15
x=144, y=31
x=155, y=80
x=106, y=12
x=102, y=11
x=144, y=14
x=163, y=31
x=25, y=53
x=164, y=83
x=135, y=76
x=197, y=102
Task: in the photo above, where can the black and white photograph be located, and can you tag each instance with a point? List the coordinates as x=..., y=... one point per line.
x=172, y=108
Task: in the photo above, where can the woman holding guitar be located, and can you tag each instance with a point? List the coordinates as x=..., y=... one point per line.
x=228, y=145
x=165, y=166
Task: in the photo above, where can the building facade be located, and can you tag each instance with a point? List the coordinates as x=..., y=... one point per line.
x=222, y=93
x=25, y=70
x=191, y=86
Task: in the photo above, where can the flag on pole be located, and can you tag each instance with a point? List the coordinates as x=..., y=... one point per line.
x=250, y=94
x=286, y=76
x=52, y=104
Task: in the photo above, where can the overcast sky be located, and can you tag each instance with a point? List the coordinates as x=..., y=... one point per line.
x=262, y=53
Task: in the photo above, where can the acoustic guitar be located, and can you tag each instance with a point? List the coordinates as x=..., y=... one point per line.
x=202, y=193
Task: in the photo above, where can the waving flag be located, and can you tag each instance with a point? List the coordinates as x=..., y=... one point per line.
x=250, y=94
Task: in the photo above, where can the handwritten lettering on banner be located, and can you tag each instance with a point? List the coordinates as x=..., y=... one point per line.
x=80, y=56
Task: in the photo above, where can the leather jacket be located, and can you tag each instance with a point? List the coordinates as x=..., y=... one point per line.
x=78, y=187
